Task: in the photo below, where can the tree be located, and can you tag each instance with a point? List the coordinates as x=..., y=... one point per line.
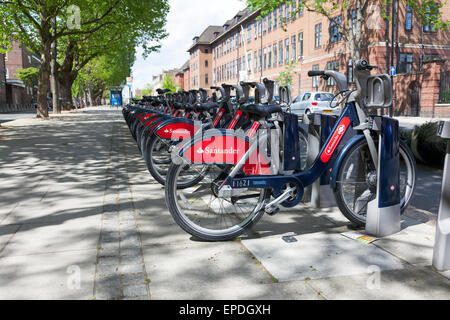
x=287, y=75
x=169, y=83
x=144, y=26
x=29, y=76
x=355, y=15
x=30, y=22
x=148, y=90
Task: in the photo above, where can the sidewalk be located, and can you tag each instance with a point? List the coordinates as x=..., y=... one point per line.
x=81, y=218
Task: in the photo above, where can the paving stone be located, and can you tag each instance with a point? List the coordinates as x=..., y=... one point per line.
x=130, y=243
x=110, y=245
x=136, y=298
x=107, y=293
x=133, y=279
x=131, y=268
x=110, y=261
x=104, y=271
x=110, y=281
x=135, y=291
x=131, y=259
x=133, y=252
x=108, y=253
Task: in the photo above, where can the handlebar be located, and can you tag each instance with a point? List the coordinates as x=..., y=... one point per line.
x=316, y=73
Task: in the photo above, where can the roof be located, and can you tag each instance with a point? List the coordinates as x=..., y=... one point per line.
x=207, y=36
x=213, y=33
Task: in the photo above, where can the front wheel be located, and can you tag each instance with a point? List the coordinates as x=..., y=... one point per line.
x=357, y=181
x=205, y=213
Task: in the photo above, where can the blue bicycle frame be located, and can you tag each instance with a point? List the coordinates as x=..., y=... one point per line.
x=324, y=161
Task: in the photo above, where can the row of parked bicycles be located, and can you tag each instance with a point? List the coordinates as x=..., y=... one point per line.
x=227, y=159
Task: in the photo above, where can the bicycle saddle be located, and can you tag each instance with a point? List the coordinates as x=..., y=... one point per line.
x=162, y=91
x=206, y=106
x=261, y=110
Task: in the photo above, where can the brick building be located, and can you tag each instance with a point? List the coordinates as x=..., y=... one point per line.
x=17, y=58
x=182, y=77
x=247, y=48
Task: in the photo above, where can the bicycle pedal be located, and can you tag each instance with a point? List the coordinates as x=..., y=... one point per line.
x=273, y=211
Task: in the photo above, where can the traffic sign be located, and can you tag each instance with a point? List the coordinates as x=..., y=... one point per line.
x=393, y=71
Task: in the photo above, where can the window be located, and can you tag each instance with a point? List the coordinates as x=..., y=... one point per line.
x=206, y=63
x=260, y=28
x=332, y=65
x=255, y=62
x=408, y=18
x=7, y=74
x=335, y=35
x=206, y=78
x=406, y=63
x=323, y=97
x=269, y=58
x=294, y=48
x=318, y=35
x=206, y=50
x=350, y=75
x=275, y=55
x=299, y=83
x=280, y=50
x=294, y=10
x=315, y=80
x=286, y=48
x=280, y=13
x=300, y=45
x=286, y=13
x=256, y=29
x=264, y=25
x=301, y=10
x=29, y=59
x=265, y=59
x=249, y=63
x=6, y=56
x=354, y=19
x=306, y=97
x=260, y=60
x=269, y=22
x=275, y=20
x=432, y=13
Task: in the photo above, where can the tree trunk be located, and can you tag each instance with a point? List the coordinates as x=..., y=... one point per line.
x=54, y=81
x=43, y=86
x=66, y=93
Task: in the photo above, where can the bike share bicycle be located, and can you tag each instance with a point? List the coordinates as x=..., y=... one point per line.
x=245, y=172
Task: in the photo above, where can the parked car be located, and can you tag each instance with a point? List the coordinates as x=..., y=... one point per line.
x=315, y=102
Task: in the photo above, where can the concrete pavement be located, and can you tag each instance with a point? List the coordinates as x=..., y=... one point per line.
x=81, y=218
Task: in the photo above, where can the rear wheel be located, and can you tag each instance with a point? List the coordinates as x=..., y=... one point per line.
x=204, y=212
x=357, y=181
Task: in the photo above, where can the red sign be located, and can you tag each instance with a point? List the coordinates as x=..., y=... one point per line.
x=335, y=140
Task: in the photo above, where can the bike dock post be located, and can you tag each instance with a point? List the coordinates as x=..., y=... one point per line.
x=383, y=213
x=319, y=129
x=441, y=254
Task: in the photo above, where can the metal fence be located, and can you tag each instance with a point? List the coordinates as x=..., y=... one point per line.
x=444, y=89
x=12, y=108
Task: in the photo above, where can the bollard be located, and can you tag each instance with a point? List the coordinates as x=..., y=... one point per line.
x=383, y=213
x=441, y=254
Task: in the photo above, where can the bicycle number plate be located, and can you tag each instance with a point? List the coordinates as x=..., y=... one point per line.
x=241, y=183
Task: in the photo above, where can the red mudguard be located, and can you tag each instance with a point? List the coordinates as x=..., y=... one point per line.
x=226, y=149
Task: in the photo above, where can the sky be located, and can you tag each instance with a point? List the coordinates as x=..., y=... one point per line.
x=186, y=19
